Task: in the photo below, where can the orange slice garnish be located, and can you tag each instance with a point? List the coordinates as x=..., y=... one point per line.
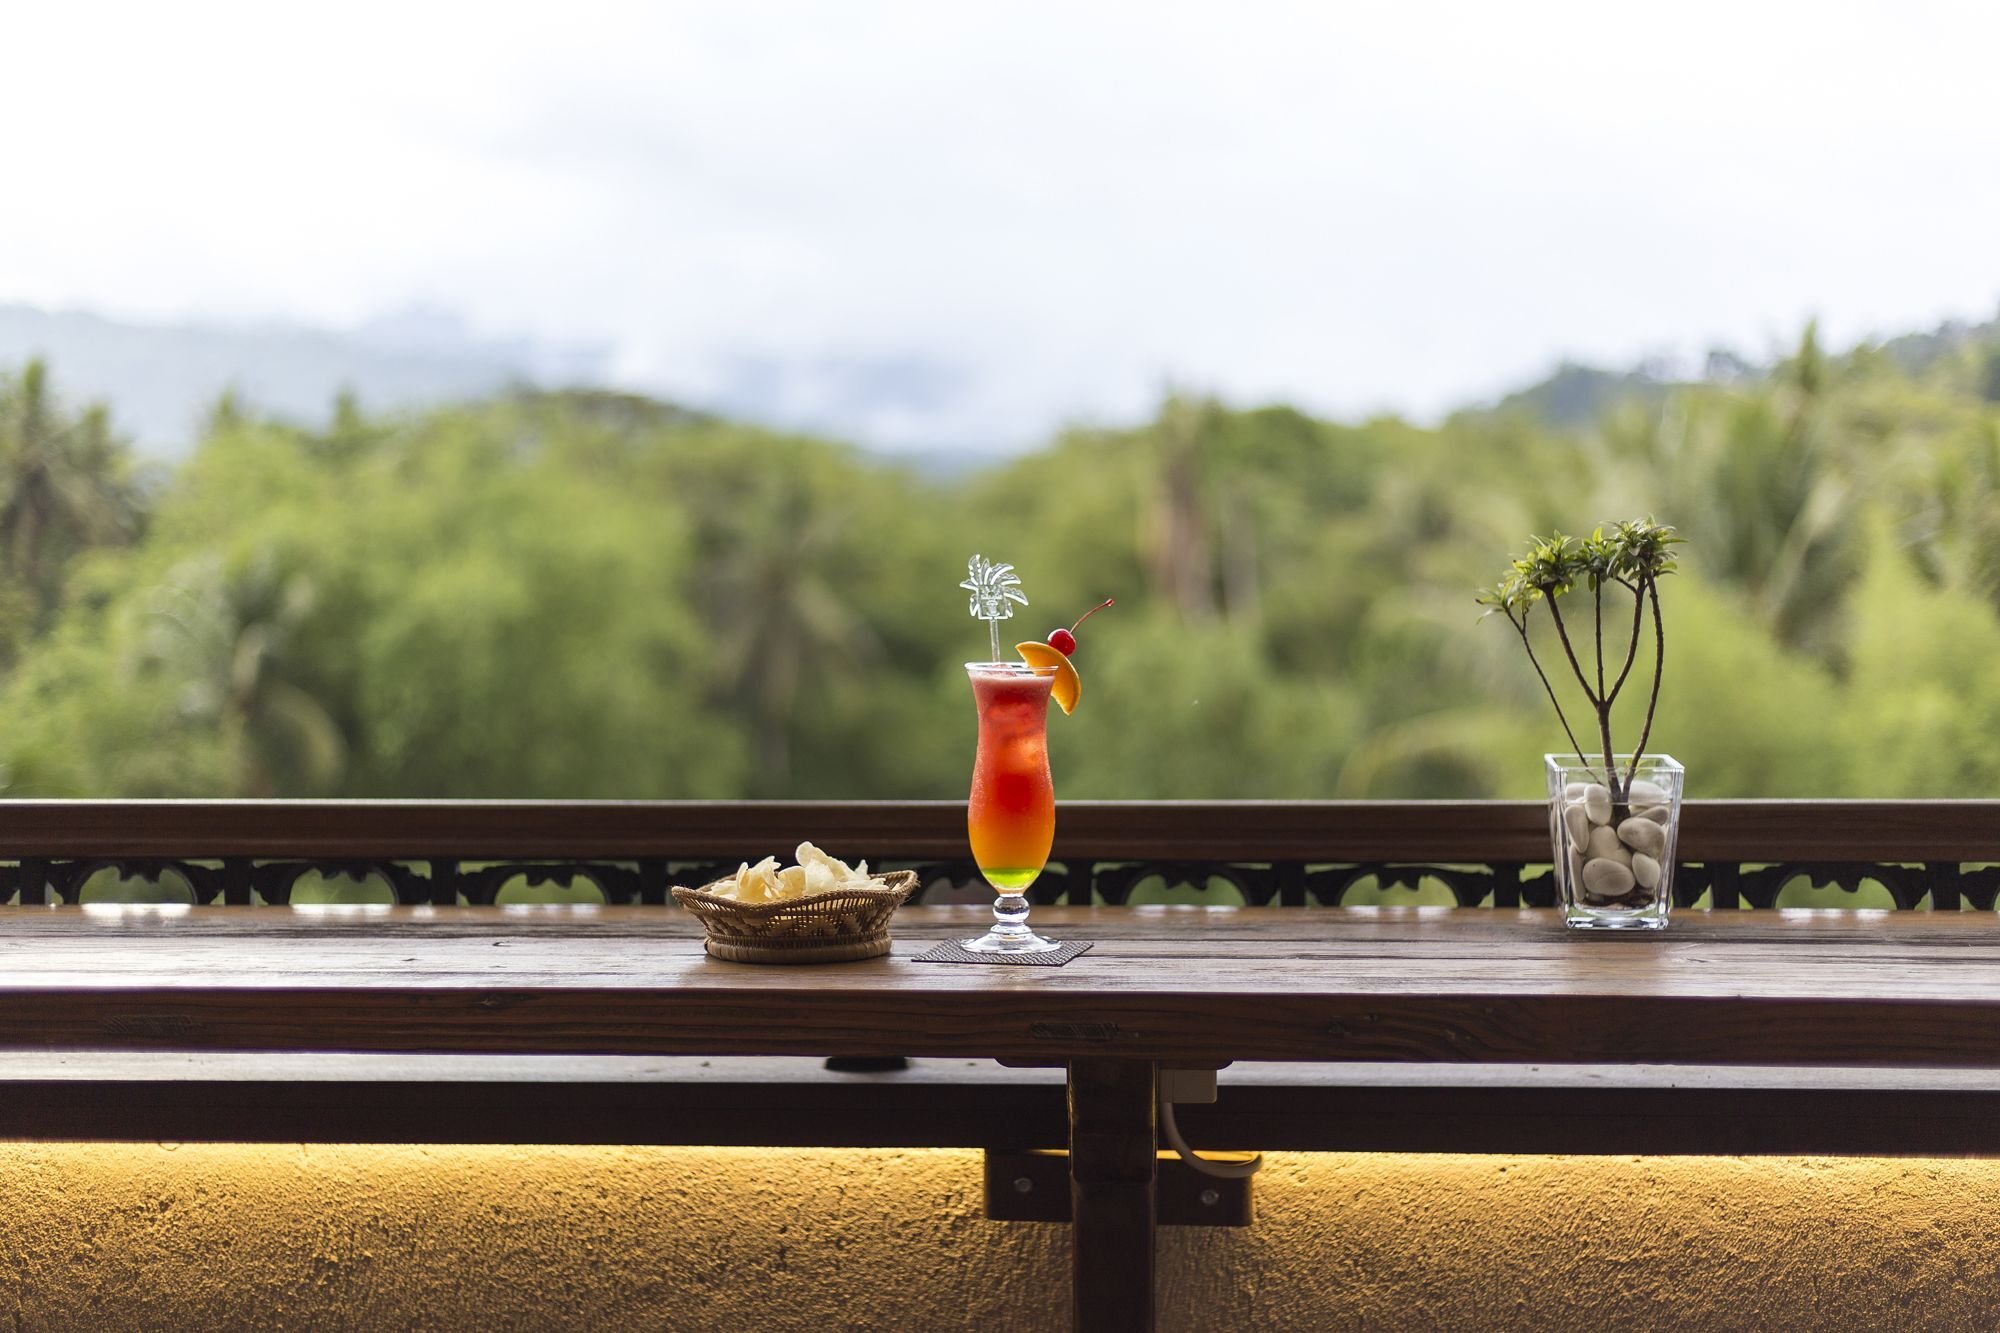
x=1068, y=688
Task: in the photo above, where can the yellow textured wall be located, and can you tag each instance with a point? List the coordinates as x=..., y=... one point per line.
x=114, y=1236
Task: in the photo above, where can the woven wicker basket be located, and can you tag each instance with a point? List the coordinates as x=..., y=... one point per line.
x=835, y=927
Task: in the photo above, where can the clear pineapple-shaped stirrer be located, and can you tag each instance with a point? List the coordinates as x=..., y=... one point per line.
x=995, y=590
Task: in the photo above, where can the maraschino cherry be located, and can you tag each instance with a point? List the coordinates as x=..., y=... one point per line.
x=1064, y=640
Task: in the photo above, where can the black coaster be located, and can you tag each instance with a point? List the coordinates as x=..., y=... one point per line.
x=951, y=951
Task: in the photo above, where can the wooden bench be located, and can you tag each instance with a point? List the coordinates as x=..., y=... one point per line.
x=795, y=1101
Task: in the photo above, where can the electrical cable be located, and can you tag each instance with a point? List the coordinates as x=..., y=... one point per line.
x=1220, y=1170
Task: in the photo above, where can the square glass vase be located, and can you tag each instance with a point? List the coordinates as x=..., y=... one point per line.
x=1614, y=836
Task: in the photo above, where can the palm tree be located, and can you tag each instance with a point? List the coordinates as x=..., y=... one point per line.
x=780, y=615
x=1955, y=521
x=226, y=635
x=1764, y=480
x=65, y=485
x=1179, y=558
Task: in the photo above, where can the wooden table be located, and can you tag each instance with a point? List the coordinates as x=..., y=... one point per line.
x=1175, y=987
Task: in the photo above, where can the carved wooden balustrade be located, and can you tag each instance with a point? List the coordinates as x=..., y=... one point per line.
x=1903, y=854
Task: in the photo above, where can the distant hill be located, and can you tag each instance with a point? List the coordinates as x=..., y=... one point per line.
x=160, y=379
x=1576, y=395
x=1918, y=352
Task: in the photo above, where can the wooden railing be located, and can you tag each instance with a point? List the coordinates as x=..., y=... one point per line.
x=1910, y=854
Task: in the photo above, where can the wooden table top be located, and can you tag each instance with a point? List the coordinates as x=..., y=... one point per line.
x=1181, y=985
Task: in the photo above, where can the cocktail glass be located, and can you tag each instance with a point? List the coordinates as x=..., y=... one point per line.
x=1012, y=814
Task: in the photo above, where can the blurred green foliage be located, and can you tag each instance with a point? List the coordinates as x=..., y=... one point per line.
x=593, y=595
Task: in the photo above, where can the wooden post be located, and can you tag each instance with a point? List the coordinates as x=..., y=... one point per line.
x=1112, y=1169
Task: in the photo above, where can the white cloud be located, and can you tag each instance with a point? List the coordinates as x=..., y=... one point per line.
x=1052, y=207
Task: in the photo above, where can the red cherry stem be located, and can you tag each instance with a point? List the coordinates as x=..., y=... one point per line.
x=1091, y=612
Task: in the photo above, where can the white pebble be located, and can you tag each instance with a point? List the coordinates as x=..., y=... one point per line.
x=1657, y=813
x=1607, y=879
x=1573, y=792
x=1644, y=792
x=1597, y=803
x=1604, y=846
x=1646, y=870
x=1578, y=824
x=1643, y=835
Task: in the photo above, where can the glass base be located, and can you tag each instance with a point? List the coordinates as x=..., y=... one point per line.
x=1021, y=941
x=1010, y=933
x=1620, y=921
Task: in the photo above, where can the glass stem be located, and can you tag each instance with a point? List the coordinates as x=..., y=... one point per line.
x=1010, y=914
x=993, y=629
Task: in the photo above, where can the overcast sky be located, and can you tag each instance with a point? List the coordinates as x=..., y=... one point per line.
x=930, y=224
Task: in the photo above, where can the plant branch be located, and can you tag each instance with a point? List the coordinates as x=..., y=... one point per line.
x=1610, y=764
x=1597, y=630
x=1634, y=555
x=1652, y=586
x=1521, y=628
x=1632, y=648
x=1568, y=651
x=1597, y=704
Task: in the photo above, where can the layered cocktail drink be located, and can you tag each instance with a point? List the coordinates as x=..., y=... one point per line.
x=1011, y=818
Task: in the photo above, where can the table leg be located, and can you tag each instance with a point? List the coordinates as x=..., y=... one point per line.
x=1112, y=1169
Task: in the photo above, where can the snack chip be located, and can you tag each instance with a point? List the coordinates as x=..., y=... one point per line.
x=816, y=872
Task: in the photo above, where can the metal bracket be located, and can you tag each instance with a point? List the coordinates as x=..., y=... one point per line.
x=1181, y=1086
x=1031, y=1185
